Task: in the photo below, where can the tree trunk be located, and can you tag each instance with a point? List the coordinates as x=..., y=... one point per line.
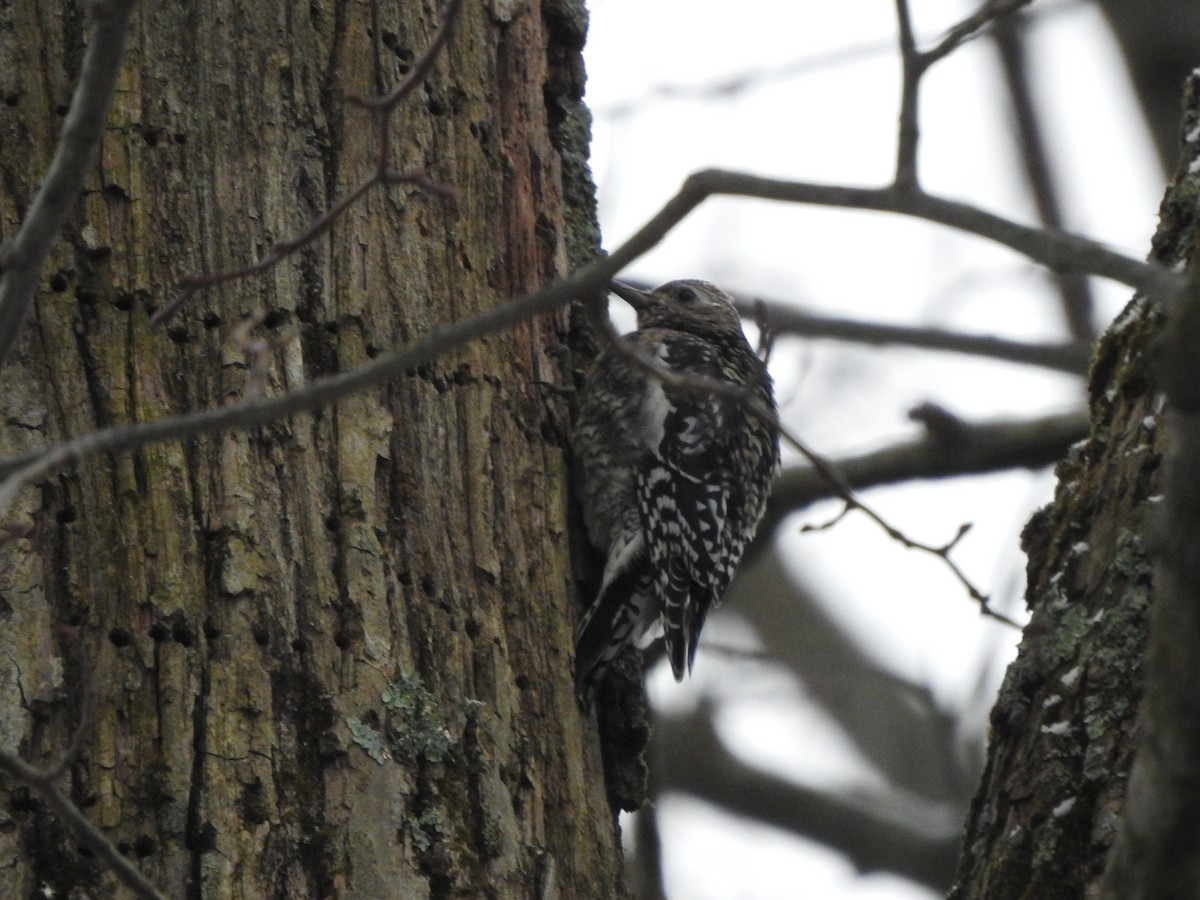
x=331, y=656
x=1064, y=730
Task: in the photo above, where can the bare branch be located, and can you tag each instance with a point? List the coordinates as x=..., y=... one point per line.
x=1059, y=250
x=25, y=256
x=970, y=27
x=842, y=490
x=942, y=552
x=71, y=816
x=914, y=65
x=1056, y=249
x=192, y=283
x=785, y=319
x=975, y=448
x=964, y=449
x=29, y=467
x=42, y=781
x=909, y=130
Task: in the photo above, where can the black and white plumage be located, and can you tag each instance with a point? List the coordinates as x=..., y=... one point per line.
x=672, y=477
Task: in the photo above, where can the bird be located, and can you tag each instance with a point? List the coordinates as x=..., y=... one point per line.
x=672, y=473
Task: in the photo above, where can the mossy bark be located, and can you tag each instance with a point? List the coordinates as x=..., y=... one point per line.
x=1064, y=729
x=331, y=655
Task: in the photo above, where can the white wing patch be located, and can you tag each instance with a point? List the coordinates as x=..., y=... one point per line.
x=656, y=407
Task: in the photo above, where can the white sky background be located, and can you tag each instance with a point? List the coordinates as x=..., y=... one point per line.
x=834, y=120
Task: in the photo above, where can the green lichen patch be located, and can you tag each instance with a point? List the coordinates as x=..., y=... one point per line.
x=425, y=829
x=369, y=739
x=412, y=727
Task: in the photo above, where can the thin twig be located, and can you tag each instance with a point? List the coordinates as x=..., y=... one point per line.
x=942, y=552
x=731, y=86
x=190, y=284
x=382, y=175
x=975, y=448
x=914, y=64
x=421, y=68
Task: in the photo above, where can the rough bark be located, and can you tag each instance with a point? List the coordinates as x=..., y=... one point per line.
x=332, y=655
x=1065, y=727
x=1157, y=850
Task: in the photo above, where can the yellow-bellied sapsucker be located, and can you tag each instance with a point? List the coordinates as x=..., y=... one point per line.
x=672, y=477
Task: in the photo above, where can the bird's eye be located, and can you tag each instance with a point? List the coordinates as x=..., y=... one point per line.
x=686, y=295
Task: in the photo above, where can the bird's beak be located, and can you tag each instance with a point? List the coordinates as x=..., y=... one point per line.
x=639, y=300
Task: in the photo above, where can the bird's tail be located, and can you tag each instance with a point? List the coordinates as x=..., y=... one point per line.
x=608, y=625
